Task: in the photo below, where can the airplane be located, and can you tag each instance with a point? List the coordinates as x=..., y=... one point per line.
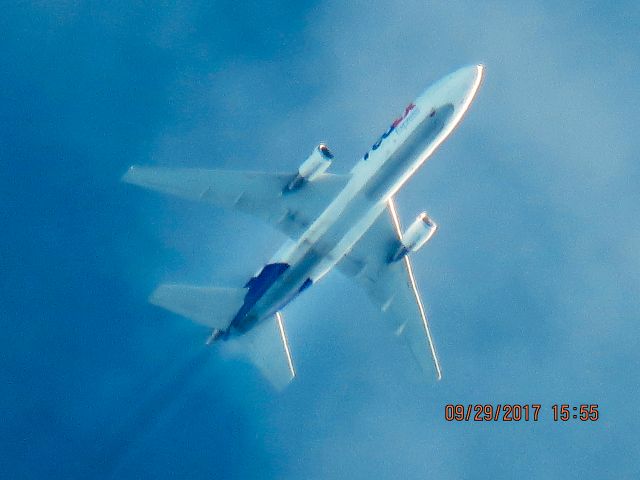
x=346, y=222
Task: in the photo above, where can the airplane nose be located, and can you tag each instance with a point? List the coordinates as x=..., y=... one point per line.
x=457, y=88
x=477, y=73
x=464, y=83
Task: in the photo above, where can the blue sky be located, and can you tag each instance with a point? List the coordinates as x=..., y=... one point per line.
x=532, y=282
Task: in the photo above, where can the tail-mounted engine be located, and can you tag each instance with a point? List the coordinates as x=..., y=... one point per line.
x=315, y=165
x=414, y=237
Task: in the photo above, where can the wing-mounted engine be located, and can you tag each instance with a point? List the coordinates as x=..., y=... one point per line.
x=416, y=236
x=315, y=165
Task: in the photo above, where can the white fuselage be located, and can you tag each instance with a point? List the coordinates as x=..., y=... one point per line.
x=382, y=171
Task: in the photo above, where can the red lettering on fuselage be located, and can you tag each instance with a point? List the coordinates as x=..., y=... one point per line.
x=398, y=120
x=395, y=123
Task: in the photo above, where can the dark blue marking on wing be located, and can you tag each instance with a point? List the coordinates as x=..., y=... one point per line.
x=307, y=283
x=257, y=286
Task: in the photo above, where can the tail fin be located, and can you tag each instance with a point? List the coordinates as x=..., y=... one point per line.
x=266, y=346
x=210, y=306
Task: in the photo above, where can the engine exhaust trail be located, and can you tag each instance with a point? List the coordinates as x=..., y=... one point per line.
x=145, y=417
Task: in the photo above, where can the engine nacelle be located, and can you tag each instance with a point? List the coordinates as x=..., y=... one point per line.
x=315, y=165
x=414, y=237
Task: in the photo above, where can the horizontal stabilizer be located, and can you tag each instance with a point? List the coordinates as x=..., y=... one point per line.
x=210, y=306
x=266, y=346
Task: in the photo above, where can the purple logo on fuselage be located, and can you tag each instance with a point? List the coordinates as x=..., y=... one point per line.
x=393, y=126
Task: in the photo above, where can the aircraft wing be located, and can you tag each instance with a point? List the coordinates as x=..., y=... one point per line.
x=392, y=285
x=259, y=194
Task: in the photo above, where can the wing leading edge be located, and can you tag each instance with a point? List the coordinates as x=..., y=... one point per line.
x=392, y=286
